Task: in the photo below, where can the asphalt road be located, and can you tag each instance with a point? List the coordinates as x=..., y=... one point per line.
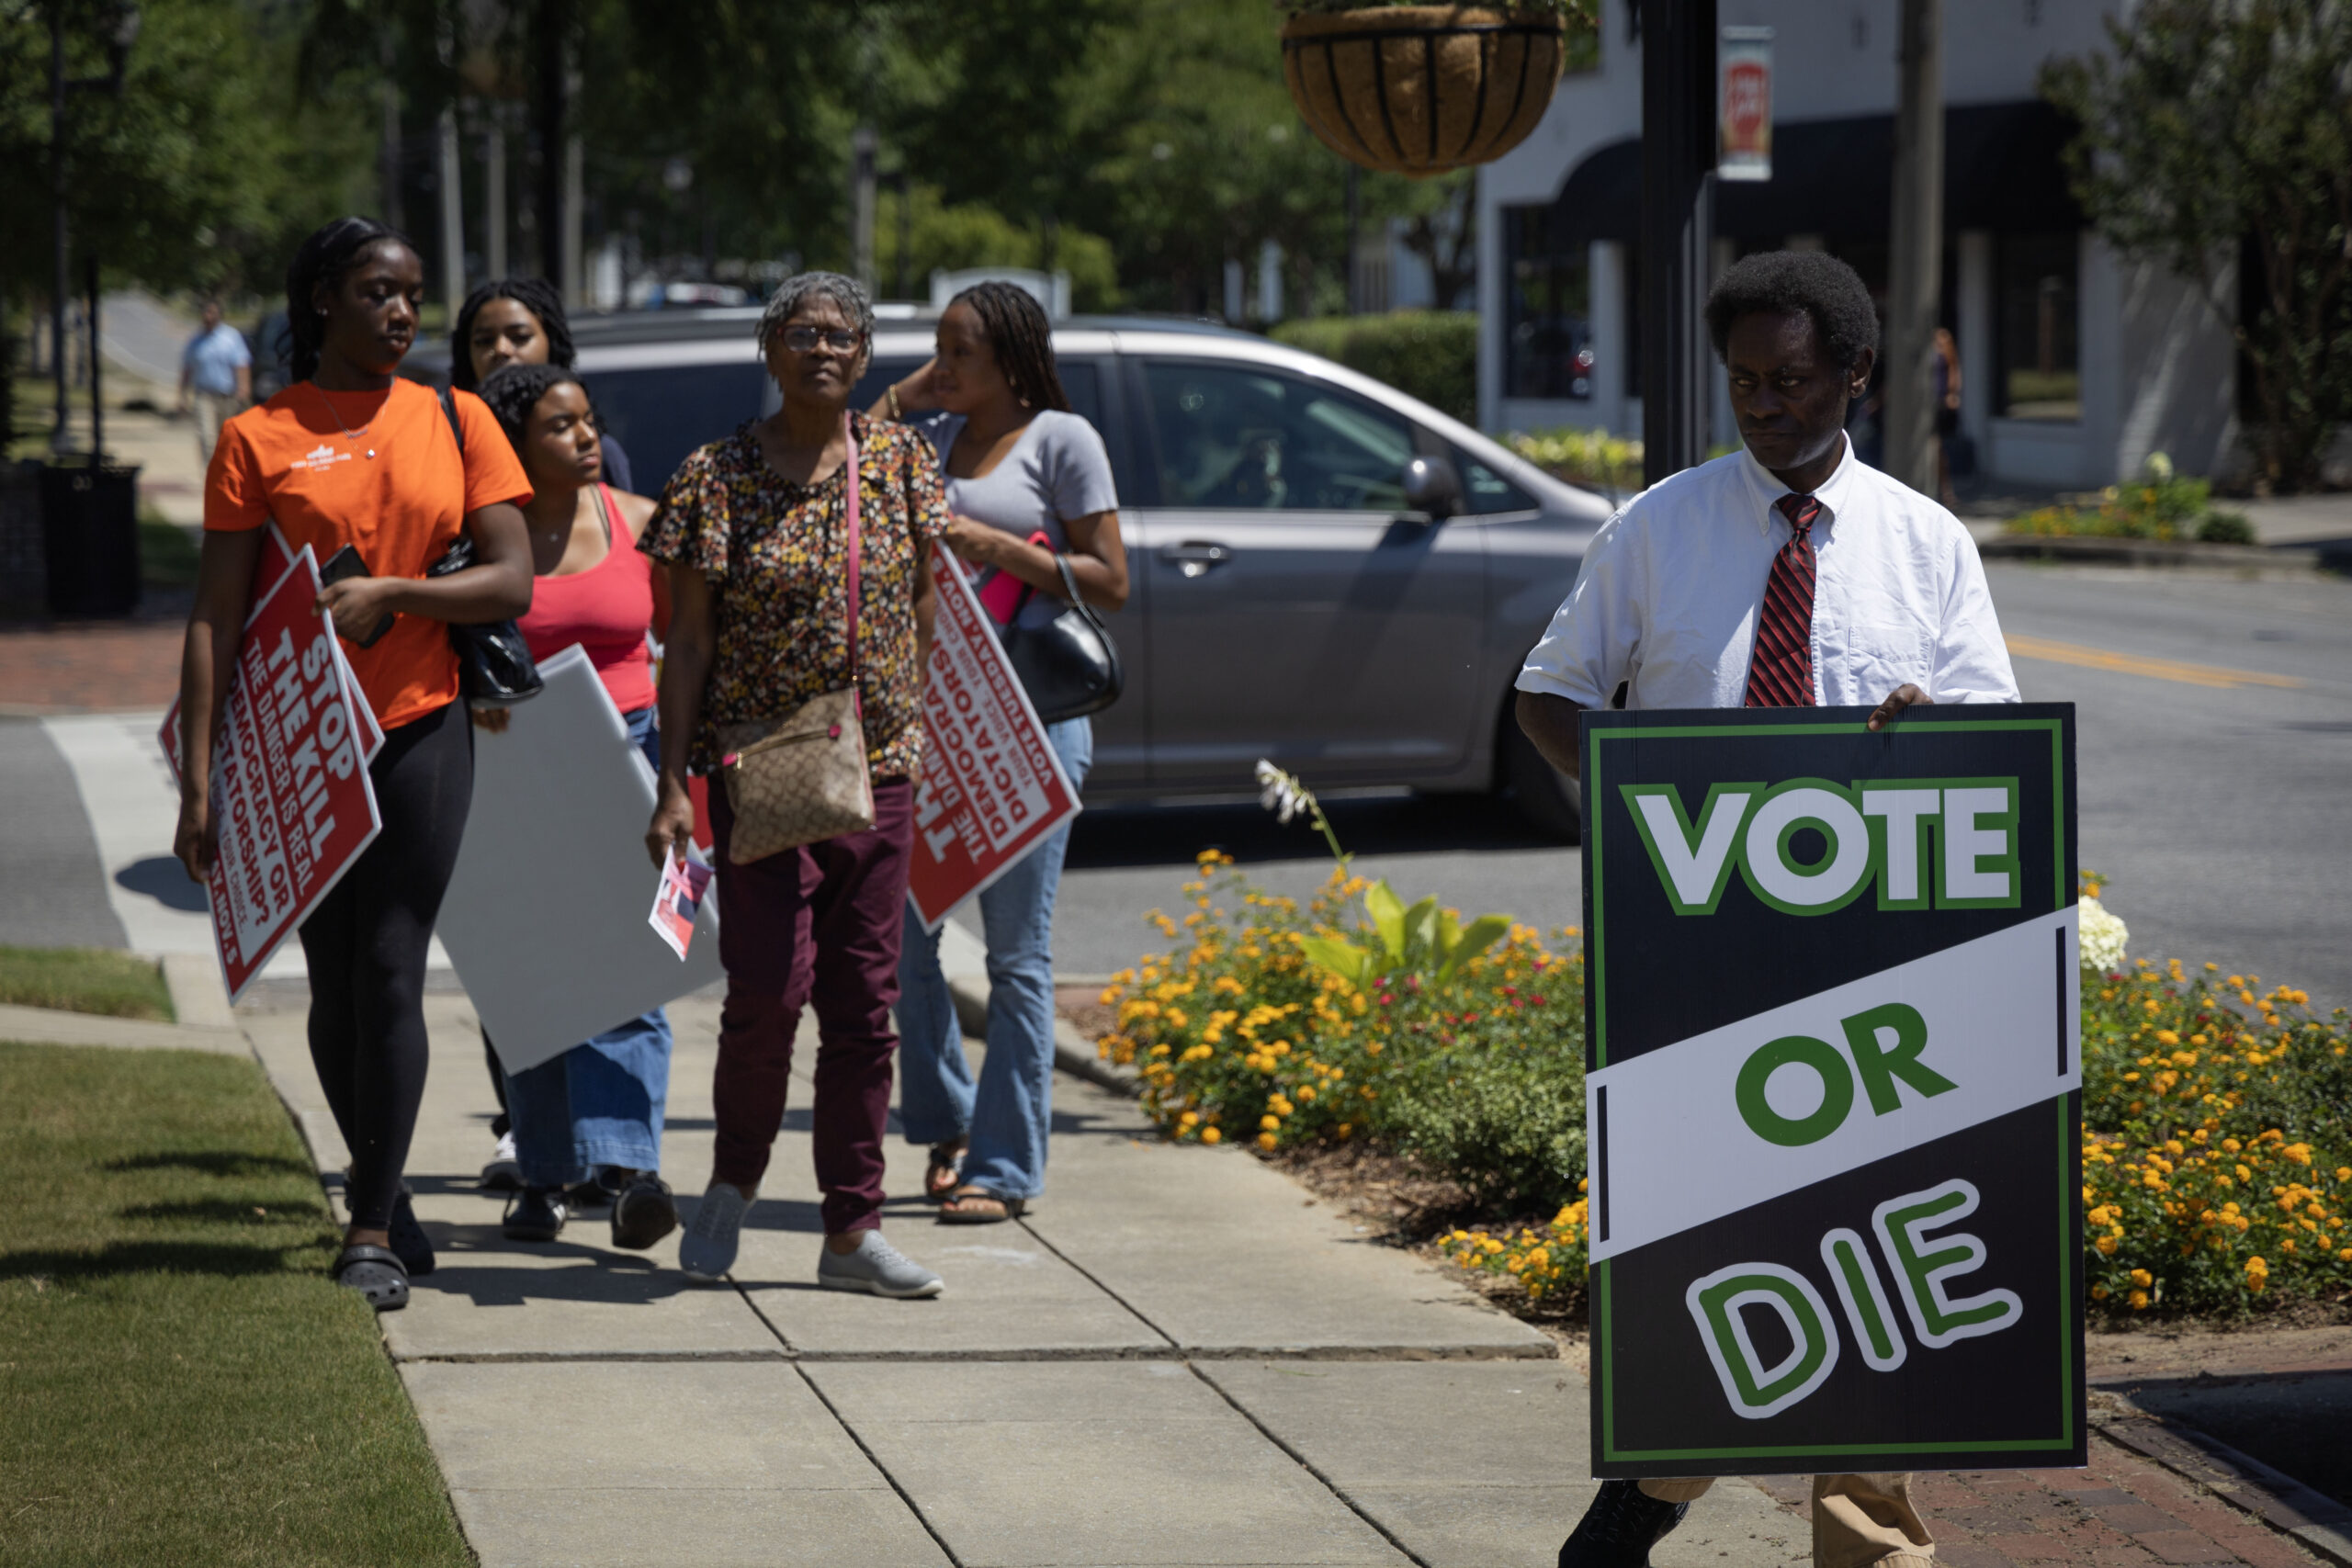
x=2216, y=775
x=2219, y=805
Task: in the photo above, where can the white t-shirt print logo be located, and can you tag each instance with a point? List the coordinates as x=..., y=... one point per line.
x=319, y=456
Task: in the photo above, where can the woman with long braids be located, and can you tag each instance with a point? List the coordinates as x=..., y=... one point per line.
x=520, y=320
x=1028, y=481
x=350, y=454
x=587, y=1124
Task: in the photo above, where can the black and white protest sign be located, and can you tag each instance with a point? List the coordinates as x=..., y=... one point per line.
x=1832, y=1072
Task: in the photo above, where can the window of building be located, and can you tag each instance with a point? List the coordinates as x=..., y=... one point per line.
x=2036, y=298
x=1547, y=309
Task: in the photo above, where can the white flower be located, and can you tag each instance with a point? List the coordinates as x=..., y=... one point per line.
x=1280, y=792
x=2103, y=937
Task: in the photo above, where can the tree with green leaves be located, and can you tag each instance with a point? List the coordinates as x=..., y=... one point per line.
x=2222, y=126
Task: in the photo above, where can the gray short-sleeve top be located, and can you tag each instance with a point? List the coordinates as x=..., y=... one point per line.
x=1056, y=470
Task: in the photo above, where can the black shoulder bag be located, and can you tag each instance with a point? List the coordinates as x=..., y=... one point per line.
x=494, y=667
x=1069, y=666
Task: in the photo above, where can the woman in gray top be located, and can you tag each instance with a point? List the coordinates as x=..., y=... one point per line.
x=1027, y=480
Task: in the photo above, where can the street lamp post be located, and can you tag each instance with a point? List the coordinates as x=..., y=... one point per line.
x=120, y=38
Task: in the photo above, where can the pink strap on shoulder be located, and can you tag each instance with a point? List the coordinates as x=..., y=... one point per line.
x=849, y=478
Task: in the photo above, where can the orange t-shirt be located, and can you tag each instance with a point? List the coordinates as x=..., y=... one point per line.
x=293, y=461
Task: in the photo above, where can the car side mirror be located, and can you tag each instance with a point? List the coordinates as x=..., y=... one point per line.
x=1433, y=488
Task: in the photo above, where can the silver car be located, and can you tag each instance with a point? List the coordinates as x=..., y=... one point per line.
x=1325, y=571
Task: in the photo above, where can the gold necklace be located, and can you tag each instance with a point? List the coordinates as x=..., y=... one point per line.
x=349, y=435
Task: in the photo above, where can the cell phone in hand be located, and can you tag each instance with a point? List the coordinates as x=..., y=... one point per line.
x=346, y=562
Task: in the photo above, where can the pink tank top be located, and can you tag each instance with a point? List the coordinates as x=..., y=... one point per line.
x=607, y=610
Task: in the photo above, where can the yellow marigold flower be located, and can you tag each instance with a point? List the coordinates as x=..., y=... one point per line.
x=2098, y=1292
x=1189, y=1118
x=2165, y=1036
x=1267, y=1141
x=2106, y=1246
x=1211, y=1135
x=2141, y=1277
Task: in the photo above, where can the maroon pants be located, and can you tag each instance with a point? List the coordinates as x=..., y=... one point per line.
x=818, y=924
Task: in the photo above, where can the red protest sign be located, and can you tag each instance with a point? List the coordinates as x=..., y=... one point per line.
x=991, y=785
x=290, y=791
x=277, y=560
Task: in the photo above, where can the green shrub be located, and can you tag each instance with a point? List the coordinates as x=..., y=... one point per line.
x=2226, y=528
x=1430, y=355
x=2159, y=505
x=1592, y=458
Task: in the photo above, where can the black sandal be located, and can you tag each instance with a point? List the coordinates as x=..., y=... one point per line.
x=939, y=1178
x=376, y=1273
x=409, y=1240
x=978, y=1206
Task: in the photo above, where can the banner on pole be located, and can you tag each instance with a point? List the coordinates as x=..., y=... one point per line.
x=1745, y=140
x=1832, y=1095
x=992, y=788
x=291, y=790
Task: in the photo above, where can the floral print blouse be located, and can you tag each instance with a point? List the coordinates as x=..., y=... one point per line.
x=776, y=557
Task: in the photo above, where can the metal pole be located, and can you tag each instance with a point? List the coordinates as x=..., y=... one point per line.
x=1916, y=253
x=864, y=143
x=98, y=413
x=1677, y=202
x=494, y=193
x=388, y=93
x=62, y=281
x=453, y=212
x=555, y=80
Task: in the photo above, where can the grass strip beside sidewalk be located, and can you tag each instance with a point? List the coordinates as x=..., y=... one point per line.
x=179, y=1381
x=84, y=979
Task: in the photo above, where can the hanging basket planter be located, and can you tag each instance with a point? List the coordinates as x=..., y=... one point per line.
x=1423, y=90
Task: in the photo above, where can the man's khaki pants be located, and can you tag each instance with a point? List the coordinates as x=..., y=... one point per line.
x=212, y=408
x=1859, y=1521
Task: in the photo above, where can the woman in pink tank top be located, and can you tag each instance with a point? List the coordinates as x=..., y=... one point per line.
x=587, y=1125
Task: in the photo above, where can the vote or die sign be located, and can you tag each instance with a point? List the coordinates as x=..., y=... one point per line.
x=291, y=790
x=1832, y=1095
x=992, y=788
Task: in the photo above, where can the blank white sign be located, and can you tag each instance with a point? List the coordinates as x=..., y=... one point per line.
x=545, y=917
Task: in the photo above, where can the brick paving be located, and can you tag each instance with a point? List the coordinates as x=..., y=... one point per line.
x=2122, y=1512
x=89, y=667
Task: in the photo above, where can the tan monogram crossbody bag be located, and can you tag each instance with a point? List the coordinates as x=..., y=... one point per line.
x=803, y=777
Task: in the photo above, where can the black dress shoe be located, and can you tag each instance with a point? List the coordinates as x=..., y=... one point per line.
x=644, y=1213
x=1619, y=1528
x=536, y=1213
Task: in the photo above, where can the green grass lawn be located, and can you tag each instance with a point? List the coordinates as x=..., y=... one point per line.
x=84, y=980
x=179, y=1382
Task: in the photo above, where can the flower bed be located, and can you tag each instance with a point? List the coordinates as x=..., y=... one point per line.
x=2158, y=505
x=2217, y=1144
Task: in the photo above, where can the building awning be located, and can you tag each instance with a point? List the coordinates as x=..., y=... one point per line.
x=1835, y=177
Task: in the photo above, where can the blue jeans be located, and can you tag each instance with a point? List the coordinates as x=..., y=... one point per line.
x=600, y=1102
x=1009, y=1112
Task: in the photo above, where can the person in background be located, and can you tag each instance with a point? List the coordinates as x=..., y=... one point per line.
x=589, y=1121
x=216, y=376
x=1028, y=481
x=516, y=321
x=755, y=530
x=1708, y=591
x=352, y=453
x=1947, y=410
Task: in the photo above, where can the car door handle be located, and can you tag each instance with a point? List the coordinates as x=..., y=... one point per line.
x=1195, y=558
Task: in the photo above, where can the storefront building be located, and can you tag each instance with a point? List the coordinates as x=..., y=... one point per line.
x=2075, y=362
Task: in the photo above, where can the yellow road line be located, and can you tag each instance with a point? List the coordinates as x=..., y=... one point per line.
x=2074, y=653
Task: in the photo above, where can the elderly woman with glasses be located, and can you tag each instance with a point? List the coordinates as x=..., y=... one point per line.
x=757, y=532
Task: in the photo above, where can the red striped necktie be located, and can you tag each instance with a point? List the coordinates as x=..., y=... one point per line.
x=1780, y=674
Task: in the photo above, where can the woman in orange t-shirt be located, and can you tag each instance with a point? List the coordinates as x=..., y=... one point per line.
x=350, y=454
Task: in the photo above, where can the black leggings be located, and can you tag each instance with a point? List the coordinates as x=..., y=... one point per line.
x=366, y=945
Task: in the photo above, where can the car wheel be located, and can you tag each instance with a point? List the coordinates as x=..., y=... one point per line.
x=1549, y=799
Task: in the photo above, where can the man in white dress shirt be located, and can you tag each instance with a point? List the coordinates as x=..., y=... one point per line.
x=1784, y=575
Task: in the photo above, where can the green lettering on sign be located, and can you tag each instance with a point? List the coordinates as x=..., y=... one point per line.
x=1753, y=1390
x=1878, y=1068
x=1922, y=1268
x=1837, y=1090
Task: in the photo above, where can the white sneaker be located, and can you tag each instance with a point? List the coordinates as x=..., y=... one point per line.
x=707, y=1250
x=878, y=1266
x=504, y=1172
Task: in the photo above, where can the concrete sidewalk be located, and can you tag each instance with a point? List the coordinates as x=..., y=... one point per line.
x=1178, y=1358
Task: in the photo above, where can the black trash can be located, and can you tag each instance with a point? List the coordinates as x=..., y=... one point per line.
x=90, y=534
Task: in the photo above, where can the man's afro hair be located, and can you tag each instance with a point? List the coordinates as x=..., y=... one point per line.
x=1782, y=283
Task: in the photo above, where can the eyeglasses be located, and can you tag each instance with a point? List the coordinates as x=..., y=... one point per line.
x=801, y=340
